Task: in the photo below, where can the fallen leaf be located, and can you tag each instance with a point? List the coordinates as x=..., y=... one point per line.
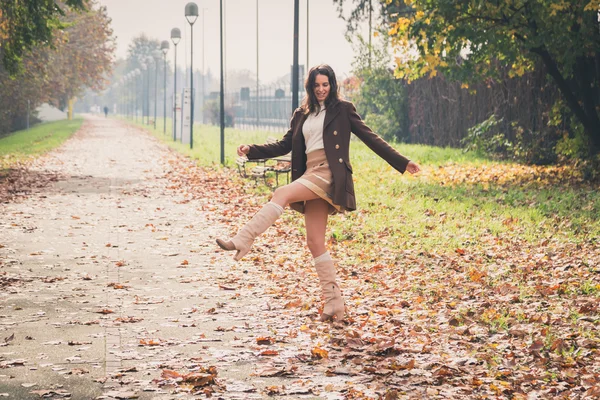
x=264, y=341
x=319, y=353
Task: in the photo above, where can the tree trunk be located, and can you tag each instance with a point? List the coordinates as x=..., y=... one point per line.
x=587, y=114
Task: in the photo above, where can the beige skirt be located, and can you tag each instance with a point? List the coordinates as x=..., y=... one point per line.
x=318, y=178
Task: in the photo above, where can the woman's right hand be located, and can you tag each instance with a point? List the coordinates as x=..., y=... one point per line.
x=243, y=149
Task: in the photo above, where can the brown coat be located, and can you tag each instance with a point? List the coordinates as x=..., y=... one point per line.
x=340, y=120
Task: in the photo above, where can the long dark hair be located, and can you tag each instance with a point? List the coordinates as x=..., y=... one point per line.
x=310, y=103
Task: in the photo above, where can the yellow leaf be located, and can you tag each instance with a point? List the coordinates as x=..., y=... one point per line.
x=593, y=5
x=319, y=353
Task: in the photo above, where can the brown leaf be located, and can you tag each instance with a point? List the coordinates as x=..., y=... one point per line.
x=269, y=353
x=149, y=342
x=170, y=374
x=265, y=341
x=115, y=285
x=402, y=366
x=128, y=320
x=293, y=304
x=391, y=395
x=319, y=353
x=443, y=371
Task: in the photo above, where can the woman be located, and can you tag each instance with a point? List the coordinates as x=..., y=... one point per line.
x=319, y=139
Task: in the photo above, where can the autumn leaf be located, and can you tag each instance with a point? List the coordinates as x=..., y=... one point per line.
x=319, y=353
x=264, y=341
x=269, y=353
x=150, y=342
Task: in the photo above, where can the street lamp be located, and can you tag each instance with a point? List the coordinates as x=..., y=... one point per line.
x=143, y=68
x=148, y=62
x=122, y=88
x=164, y=47
x=175, y=38
x=191, y=14
x=222, y=100
x=126, y=97
x=156, y=55
x=130, y=78
x=137, y=74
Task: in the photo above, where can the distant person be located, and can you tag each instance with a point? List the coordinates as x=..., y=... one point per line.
x=105, y=112
x=319, y=139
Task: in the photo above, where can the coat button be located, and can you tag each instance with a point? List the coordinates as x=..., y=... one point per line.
x=341, y=160
x=337, y=146
x=334, y=133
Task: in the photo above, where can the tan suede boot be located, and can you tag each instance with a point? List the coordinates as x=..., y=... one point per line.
x=262, y=220
x=332, y=295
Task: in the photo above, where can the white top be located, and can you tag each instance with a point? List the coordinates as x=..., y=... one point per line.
x=313, y=130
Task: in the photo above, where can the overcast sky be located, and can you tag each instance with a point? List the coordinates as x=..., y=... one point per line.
x=155, y=18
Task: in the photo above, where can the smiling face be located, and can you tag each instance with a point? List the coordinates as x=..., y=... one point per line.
x=321, y=88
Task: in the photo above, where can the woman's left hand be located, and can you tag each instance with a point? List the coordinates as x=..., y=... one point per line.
x=412, y=167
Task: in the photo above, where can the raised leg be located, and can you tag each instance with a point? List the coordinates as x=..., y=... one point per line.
x=262, y=220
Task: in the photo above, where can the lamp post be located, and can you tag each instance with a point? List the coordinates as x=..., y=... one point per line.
x=164, y=47
x=138, y=73
x=126, y=98
x=191, y=14
x=156, y=55
x=130, y=95
x=148, y=62
x=257, y=76
x=121, y=89
x=222, y=102
x=144, y=68
x=295, y=71
x=203, y=81
x=175, y=38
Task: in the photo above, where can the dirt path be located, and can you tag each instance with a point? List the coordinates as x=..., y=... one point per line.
x=112, y=287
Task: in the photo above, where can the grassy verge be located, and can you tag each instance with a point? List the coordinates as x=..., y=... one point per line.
x=22, y=145
x=207, y=141
x=460, y=202
x=449, y=212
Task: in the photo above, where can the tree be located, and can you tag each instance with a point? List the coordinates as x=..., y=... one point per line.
x=28, y=23
x=469, y=39
x=140, y=51
x=381, y=98
x=80, y=56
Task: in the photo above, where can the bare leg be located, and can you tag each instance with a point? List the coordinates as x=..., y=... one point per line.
x=262, y=220
x=292, y=193
x=315, y=216
x=315, y=219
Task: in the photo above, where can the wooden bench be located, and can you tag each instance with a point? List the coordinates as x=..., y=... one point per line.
x=265, y=168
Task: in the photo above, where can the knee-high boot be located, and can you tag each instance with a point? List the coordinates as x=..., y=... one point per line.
x=242, y=242
x=332, y=296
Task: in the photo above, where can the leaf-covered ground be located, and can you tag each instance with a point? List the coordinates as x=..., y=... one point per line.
x=470, y=281
x=501, y=317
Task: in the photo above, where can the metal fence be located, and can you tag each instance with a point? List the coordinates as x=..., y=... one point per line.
x=268, y=108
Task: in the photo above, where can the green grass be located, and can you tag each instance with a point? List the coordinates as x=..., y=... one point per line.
x=433, y=215
x=207, y=142
x=422, y=213
x=38, y=140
